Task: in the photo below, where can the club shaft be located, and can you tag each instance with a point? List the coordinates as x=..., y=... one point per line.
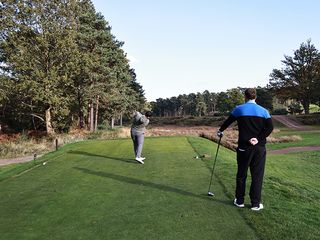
x=214, y=163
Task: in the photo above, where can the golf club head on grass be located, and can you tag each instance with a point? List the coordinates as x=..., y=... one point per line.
x=211, y=194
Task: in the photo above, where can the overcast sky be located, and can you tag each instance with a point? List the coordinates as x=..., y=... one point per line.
x=188, y=46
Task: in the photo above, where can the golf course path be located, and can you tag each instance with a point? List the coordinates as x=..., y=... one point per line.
x=290, y=123
x=294, y=149
x=8, y=161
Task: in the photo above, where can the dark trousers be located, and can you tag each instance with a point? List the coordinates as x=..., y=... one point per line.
x=253, y=157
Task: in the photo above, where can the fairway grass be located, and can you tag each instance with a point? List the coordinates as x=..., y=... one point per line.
x=95, y=190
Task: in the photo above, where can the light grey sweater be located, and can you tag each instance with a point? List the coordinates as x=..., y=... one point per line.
x=139, y=123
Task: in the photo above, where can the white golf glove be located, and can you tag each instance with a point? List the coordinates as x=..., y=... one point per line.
x=220, y=134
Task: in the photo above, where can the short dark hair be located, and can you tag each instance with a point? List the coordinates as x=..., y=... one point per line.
x=148, y=114
x=250, y=93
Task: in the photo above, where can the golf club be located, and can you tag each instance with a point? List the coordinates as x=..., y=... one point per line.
x=214, y=164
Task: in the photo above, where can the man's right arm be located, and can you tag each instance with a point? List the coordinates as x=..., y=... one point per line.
x=227, y=123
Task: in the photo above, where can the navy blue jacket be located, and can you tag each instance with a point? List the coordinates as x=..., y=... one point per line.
x=253, y=121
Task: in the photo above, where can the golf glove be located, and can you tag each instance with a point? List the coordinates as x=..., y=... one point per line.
x=220, y=134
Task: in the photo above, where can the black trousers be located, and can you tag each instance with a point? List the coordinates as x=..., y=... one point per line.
x=253, y=157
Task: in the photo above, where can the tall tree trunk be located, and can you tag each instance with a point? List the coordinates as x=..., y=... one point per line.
x=112, y=122
x=96, y=118
x=91, y=118
x=305, y=105
x=81, y=115
x=121, y=119
x=49, y=127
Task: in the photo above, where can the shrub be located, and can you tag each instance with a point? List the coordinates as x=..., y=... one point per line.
x=102, y=127
x=310, y=119
x=280, y=111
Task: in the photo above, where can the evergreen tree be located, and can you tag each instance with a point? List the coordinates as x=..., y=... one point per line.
x=59, y=61
x=105, y=87
x=201, y=107
x=300, y=77
x=265, y=97
x=36, y=48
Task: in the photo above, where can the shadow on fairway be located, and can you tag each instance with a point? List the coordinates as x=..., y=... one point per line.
x=128, y=160
x=150, y=184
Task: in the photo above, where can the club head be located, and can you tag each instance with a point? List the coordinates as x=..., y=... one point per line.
x=211, y=194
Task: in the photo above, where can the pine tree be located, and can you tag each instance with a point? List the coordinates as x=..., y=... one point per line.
x=300, y=77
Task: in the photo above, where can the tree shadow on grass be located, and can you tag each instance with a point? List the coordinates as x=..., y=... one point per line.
x=127, y=160
x=150, y=185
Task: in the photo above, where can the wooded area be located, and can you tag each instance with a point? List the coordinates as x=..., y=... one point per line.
x=62, y=68
x=295, y=87
x=207, y=103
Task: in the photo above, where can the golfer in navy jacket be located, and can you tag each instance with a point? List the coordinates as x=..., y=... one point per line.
x=254, y=126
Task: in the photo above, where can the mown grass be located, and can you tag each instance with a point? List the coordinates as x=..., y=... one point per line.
x=95, y=190
x=290, y=195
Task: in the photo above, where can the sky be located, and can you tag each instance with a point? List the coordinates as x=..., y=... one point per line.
x=189, y=46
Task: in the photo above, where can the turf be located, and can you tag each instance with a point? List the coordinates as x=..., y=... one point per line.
x=290, y=194
x=94, y=190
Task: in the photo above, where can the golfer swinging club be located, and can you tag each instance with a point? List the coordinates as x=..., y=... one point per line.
x=139, y=123
x=254, y=126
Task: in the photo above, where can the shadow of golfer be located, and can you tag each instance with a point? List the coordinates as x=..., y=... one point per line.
x=127, y=160
x=148, y=184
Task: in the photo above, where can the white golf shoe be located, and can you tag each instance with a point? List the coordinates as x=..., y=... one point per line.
x=257, y=208
x=140, y=160
x=237, y=204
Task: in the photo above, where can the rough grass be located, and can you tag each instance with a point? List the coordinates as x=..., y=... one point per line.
x=310, y=119
x=24, y=147
x=230, y=138
x=22, y=144
x=189, y=121
x=308, y=138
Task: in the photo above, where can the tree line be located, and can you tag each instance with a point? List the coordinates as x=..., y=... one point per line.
x=62, y=67
x=298, y=81
x=207, y=103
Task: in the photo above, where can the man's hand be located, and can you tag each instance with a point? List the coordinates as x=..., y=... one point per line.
x=220, y=134
x=253, y=141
